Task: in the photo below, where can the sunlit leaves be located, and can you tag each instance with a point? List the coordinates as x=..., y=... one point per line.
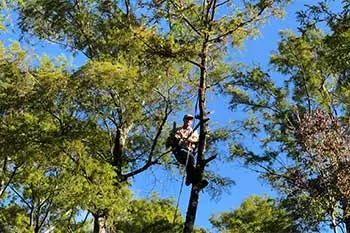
x=256, y=214
x=154, y=215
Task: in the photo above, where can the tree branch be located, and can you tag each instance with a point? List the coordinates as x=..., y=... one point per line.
x=208, y=160
x=219, y=37
x=187, y=21
x=155, y=142
x=20, y=196
x=222, y=3
x=9, y=181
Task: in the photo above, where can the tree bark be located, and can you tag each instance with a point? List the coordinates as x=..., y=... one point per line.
x=100, y=223
x=347, y=224
x=118, y=147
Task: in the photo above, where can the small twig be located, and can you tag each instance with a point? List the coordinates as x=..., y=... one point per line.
x=223, y=3
x=208, y=160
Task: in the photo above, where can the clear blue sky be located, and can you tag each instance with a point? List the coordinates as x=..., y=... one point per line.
x=247, y=183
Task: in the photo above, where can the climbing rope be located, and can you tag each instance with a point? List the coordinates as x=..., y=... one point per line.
x=181, y=188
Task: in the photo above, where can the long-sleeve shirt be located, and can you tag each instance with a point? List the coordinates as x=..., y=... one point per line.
x=188, y=138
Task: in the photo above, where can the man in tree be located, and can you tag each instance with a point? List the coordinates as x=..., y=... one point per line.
x=184, y=141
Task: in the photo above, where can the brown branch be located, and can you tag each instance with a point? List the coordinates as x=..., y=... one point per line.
x=9, y=181
x=128, y=9
x=147, y=165
x=194, y=63
x=45, y=216
x=213, y=11
x=223, y=3
x=209, y=2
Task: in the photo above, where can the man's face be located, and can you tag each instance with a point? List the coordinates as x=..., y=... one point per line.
x=188, y=121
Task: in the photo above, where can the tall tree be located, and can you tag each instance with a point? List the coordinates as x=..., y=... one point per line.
x=49, y=175
x=126, y=93
x=305, y=121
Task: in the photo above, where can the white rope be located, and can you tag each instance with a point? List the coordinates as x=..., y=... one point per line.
x=181, y=187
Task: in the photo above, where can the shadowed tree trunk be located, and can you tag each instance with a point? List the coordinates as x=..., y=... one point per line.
x=346, y=217
x=100, y=223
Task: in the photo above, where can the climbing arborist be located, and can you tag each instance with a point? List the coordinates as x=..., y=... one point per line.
x=184, y=141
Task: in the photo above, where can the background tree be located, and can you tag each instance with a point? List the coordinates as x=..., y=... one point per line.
x=54, y=132
x=256, y=214
x=154, y=215
x=123, y=96
x=303, y=124
x=48, y=174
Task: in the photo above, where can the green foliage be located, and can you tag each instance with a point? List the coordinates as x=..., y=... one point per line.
x=154, y=216
x=256, y=214
x=3, y=7
x=48, y=172
x=303, y=119
x=86, y=25
x=59, y=129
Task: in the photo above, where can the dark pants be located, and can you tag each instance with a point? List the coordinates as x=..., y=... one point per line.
x=182, y=155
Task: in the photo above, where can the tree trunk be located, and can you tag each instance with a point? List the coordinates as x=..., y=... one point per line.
x=192, y=209
x=100, y=219
x=347, y=224
x=334, y=225
x=117, y=151
x=196, y=187
x=100, y=223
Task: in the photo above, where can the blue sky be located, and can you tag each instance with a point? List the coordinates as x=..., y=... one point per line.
x=247, y=182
